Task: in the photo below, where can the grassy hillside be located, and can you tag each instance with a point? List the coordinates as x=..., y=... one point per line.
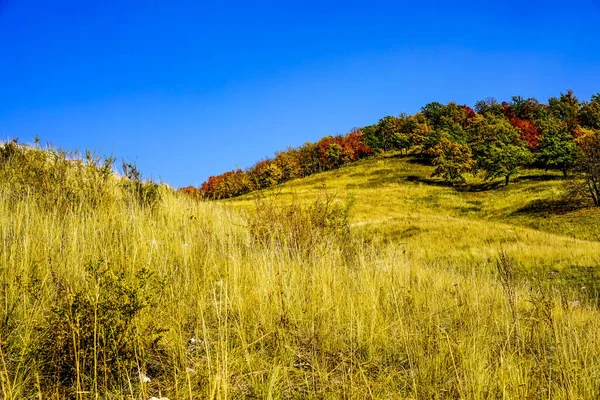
x=123, y=290
x=395, y=201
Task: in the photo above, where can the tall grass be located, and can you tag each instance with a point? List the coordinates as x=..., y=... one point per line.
x=184, y=299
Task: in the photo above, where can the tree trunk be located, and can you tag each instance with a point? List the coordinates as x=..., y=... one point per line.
x=506, y=179
x=594, y=191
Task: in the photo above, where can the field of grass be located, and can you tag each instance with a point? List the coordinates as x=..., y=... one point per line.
x=395, y=201
x=422, y=291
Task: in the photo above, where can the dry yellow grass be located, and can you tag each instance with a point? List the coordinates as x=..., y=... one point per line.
x=423, y=300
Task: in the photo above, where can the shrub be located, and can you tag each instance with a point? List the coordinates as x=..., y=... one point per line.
x=91, y=339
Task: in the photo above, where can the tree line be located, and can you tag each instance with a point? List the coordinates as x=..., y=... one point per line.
x=492, y=138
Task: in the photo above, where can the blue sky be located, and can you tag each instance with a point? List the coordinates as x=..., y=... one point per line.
x=189, y=89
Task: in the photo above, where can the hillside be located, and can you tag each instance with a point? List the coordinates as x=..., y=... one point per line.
x=493, y=140
x=114, y=287
x=395, y=200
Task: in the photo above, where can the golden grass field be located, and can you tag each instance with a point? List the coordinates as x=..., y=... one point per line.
x=395, y=201
x=422, y=291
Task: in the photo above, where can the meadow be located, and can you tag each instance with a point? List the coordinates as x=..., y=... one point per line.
x=394, y=201
x=370, y=281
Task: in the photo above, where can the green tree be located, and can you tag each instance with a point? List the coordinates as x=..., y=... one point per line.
x=450, y=120
x=589, y=115
x=308, y=157
x=528, y=109
x=566, y=108
x=402, y=139
x=498, y=148
x=489, y=106
x=557, y=148
x=334, y=155
x=372, y=138
x=388, y=127
x=434, y=112
x=440, y=116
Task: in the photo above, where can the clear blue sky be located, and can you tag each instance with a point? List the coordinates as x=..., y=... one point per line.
x=194, y=88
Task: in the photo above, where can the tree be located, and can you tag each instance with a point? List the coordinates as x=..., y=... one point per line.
x=333, y=155
x=229, y=184
x=557, y=148
x=308, y=156
x=388, y=127
x=588, y=162
x=498, y=148
x=527, y=130
x=214, y=188
x=265, y=174
x=191, y=191
x=450, y=121
x=371, y=137
x=439, y=116
x=402, y=138
x=499, y=137
x=330, y=152
x=589, y=115
x=354, y=147
x=434, y=112
x=489, y=106
x=289, y=164
x=565, y=108
x=452, y=160
x=419, y=133
x=526, y=109
x=523, y=114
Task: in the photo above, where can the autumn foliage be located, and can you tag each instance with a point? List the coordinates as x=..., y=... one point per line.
x=494, y=138
x=191, y=191
x=328, y=153
x=527, y=127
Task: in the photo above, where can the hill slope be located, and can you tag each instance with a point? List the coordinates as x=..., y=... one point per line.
x=395, y=200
